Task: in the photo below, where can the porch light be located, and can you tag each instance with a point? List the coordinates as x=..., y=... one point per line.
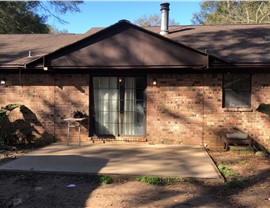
x=154, y=82
x=3, y=81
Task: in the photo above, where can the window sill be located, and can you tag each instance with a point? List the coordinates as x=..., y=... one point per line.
x=238, y=110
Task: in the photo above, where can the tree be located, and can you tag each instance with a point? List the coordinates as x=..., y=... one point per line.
x=54, y=8
x=30, y=16
x=15, y=17
x=152, y=20
x=55, y=30
x=233, y=12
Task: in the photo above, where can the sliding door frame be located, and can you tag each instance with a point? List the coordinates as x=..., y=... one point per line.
x=92, y=128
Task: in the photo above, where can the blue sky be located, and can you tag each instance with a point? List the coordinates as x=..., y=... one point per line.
x=106, y=13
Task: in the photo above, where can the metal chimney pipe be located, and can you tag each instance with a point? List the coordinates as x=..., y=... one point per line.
x=164, y=26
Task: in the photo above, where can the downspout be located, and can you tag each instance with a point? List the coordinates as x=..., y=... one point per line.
x=54, y=108
x=207, y=64
x=203, y=116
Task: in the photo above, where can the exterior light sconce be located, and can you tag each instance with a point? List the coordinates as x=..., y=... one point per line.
x=3, y=81
x=154, y=81
x=45, y=68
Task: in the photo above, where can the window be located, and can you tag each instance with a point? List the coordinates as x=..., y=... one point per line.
x=236, y=91
x=119, y=105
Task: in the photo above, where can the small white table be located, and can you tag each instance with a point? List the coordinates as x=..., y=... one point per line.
x=74, y=123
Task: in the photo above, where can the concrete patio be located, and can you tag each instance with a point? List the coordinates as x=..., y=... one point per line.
x=120, y=159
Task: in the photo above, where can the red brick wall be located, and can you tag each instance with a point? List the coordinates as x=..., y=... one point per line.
x=36, y=92
x=260, y=123
x=71, y=94
x=188, y=109
x=181, y=109
x=174, y=109
x=50, y=98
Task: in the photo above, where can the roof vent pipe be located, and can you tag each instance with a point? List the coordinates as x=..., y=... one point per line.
x=164, y=26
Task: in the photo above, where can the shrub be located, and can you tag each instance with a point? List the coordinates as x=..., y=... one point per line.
x=264, y=108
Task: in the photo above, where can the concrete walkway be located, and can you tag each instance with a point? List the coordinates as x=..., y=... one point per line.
x=123, y=159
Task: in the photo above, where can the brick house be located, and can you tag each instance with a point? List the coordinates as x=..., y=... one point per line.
x=187, y=85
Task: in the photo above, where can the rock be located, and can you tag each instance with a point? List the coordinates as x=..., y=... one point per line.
x=261, y=154
x=22, y=127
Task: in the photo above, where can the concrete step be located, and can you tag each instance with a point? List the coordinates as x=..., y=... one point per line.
x=243, y=149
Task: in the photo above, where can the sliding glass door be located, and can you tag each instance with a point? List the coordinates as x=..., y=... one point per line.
x=119, y=106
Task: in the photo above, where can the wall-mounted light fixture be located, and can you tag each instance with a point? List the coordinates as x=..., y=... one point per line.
x=3, y=81
x=45, y=68
x=154, y=81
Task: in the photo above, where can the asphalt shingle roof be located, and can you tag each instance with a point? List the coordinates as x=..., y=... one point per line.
x=14, y=49
x=237, y=43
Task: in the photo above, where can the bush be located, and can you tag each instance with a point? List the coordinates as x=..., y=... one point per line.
x=264, y=108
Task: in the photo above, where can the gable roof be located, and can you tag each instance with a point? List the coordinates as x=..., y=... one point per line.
x=247, y=44
x=126, y=45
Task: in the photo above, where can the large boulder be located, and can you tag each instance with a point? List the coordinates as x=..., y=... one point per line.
x=21, y=127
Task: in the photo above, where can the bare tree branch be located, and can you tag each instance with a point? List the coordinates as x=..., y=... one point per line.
x=232, y=11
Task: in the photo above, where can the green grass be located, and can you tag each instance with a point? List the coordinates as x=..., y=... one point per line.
x=103, y=179
x=152, y=180
x=243, y=161
x=230, y=175
x=234, y=183
x=226, y=171
x=173, y=180
x=155, y=180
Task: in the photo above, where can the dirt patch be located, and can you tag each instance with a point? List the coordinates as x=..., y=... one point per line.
x=250, y=188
